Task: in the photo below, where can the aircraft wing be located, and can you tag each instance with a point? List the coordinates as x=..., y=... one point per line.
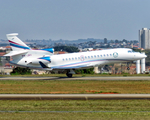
x=13, y=53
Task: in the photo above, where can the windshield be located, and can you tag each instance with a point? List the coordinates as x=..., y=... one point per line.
x=131, y=51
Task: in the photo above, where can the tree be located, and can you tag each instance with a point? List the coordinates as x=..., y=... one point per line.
x=69, y=49
x=116, y=41
x=21, y=71
x=85, y=71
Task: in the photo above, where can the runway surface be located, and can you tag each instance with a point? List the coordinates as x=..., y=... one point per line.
x=72, y=96
x=76, y=78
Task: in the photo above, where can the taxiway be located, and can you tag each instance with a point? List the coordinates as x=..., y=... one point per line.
x=76, y=78
x=72, y=96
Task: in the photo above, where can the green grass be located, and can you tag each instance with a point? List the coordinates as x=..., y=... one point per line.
x=76, y=116
x=75, y=86
x=75, y=105
x=77, y=109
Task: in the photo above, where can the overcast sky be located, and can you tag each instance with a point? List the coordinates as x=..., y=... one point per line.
x=74, y=19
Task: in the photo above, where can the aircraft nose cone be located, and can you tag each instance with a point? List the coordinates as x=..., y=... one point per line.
x=145, y=56
x=139, y=56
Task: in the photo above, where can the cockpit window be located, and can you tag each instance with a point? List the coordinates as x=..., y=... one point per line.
x=131, y=51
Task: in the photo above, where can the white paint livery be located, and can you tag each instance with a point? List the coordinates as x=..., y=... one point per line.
x=24, y=56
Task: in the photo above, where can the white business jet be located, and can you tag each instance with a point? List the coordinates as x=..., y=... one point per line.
x=44, y=59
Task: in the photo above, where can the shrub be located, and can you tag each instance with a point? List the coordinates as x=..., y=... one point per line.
x=21, y=71
x=85, y=71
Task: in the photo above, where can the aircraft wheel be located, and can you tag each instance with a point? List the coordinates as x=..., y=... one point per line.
x=128, y=68
x=69, y=75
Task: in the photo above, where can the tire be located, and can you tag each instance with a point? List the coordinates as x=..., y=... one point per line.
x=69, y=75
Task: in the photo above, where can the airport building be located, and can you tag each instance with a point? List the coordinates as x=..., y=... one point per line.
x=144, y=38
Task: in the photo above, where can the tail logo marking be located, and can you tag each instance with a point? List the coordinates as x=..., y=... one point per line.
x=18, y=45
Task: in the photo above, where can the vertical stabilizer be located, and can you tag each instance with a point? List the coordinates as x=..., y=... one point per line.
x=15, y=43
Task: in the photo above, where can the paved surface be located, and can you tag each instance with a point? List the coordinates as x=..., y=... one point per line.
x=75, y=78
x=72, y=96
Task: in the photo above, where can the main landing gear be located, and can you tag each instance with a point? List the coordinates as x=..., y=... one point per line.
x=69, y=73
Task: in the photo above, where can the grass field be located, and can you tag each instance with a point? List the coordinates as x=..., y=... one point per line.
x=75, y=109
x=76, y=116
x=76, y=86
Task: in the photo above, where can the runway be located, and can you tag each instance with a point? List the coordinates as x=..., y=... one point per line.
x=72, y=96
x=76, y=78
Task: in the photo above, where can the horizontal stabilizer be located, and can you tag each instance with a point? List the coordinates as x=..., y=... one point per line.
x=13, y=53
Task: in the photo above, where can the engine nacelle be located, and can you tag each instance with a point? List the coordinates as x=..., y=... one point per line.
x=51, y=50
x=44, y=60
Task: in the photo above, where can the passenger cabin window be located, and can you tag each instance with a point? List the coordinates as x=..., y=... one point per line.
x=82, y=58
x=110, y=54
x=85, y=57
x=75, y=58
x=72, y=58
x=101, y=56
x=107, y=55
x=69, y=58
x=66, y=59
x=91, y=56
x=79, y=58
x=63, y=59
x=129, y=51
x=104, y=55
x=95, y=56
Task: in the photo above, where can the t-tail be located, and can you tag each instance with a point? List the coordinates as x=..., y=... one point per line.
x=15, y=43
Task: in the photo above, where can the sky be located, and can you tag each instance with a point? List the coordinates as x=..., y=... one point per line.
x=74, y=19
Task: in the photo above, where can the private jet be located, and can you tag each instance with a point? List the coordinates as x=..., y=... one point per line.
x=45, y=59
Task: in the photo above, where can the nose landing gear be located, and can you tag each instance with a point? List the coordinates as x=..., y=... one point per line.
x=128, y=65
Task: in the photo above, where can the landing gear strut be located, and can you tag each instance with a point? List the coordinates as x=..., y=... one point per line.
x=128, y=68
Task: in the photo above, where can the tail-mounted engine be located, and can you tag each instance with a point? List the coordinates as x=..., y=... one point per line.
x=45, y=60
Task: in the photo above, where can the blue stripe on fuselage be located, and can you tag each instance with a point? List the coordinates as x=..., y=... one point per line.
x=67, y=66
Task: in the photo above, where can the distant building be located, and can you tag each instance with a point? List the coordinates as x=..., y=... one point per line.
x=144, y=38
x=105, y=40
x=2, y=53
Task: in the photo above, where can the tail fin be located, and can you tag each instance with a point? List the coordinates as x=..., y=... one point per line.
x=15, y=43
